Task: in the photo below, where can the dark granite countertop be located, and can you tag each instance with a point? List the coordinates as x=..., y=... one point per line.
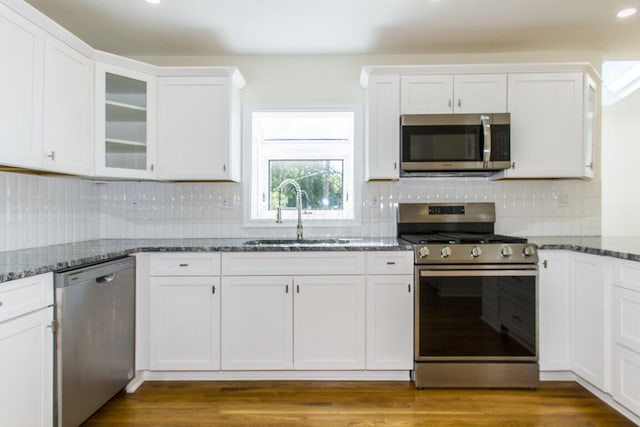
x=614, y=246
x=30, y=262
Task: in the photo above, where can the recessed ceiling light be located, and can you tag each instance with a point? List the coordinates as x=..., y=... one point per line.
x=153, y=1
x=624, y=13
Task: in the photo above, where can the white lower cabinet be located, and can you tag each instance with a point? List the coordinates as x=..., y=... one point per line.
x=329, y=316
x=185, y=323
x=390, y=322
x=277, y=311
x=184, y=312
x=553, y=315
x=257, y=329
x=26, y=352
x=291, y=322
x=589, y=310
x=625, y=383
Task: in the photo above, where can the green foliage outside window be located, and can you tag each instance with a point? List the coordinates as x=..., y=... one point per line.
x=321, y=182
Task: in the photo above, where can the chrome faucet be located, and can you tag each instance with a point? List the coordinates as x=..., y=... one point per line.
x=296, y=186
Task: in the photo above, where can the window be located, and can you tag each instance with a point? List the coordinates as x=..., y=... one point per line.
x=313, y=148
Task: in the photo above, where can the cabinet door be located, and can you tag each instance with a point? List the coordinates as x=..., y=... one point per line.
x=68, y=113
x=22, y=47
x=480, y=93
x=26, y=369
x=195, y=135
x=546, y=125
x=125, y=112
x=329, y=316
x=589, y=319
x=390, y=322
x=382, y=147
x=426, y=94
x=553, y=293
x=185, y=323
x=257, y=332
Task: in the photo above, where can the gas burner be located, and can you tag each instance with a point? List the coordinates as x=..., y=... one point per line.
x=460, y=234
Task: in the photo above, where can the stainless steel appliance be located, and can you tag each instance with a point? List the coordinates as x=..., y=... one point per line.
x=455, y=144
x=475, y=301
x=95, y=337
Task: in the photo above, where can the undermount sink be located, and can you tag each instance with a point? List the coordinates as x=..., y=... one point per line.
x=295, y=242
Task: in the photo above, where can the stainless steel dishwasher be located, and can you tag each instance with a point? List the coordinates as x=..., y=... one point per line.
x=95, y=337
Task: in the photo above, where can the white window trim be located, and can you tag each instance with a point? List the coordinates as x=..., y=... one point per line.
x=250, y=174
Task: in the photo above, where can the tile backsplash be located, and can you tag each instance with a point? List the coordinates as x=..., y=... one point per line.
x=40, y=211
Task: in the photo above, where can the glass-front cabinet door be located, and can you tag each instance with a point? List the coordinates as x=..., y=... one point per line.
x=125, y=117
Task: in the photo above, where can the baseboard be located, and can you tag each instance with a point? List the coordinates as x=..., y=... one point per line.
x=606, y=398
x=557, y=376
x=277, y=375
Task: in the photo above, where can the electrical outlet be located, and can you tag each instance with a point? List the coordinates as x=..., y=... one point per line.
x=226, y=201
x=376, y=199
x=562, y=200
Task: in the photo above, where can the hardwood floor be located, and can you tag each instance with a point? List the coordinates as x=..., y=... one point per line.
x=352, y=404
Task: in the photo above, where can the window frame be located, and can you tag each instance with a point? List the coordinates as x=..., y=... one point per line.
x=256, y=211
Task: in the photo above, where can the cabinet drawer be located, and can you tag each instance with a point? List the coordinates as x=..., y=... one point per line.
x=390, y=262
x=286, y=263
x=25, y=295
x=184, y=264
x=626, y=378
x=627, y=274
x=626, y=318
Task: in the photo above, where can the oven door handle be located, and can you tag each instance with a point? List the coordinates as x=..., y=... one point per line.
x=476, y=273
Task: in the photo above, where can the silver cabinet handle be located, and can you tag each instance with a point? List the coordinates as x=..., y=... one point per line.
x=52, y=155
x=486, y=129
x=450, y=104
x=183, y=265
x=1, y=303
x=459, y=102
x=391, y=263
x=106, y=279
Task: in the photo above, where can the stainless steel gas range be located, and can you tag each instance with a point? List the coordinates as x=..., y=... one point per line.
x=475, y=301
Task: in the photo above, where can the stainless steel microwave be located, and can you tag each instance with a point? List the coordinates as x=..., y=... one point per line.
x=454, y=144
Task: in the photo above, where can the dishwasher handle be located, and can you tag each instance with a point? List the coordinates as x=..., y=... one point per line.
x=106, y=279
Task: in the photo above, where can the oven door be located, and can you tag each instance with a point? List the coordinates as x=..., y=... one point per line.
x=476, y=313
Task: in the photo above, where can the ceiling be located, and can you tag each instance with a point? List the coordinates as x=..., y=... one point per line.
x=270, y=27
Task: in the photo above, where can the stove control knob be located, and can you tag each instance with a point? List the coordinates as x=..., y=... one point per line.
x=529, y=250
x=476, y=252
x=445, y=252
x=423, y=252
x=506, y=251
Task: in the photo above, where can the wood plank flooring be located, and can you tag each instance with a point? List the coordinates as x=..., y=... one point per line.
x=323, y=404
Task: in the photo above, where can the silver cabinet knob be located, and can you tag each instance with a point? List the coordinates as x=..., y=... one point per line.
x=476, y=252
x=445, y=252
x=423, y=252
x=506, y=251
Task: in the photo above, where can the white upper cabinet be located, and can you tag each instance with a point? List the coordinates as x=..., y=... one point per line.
x=22, y=47
x=547, y=129
x=125, y=122
x=199, y=127
x=68, y=112
x=382, y=128
x=465, y=93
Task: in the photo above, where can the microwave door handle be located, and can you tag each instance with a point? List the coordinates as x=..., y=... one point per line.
x=486, y=129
